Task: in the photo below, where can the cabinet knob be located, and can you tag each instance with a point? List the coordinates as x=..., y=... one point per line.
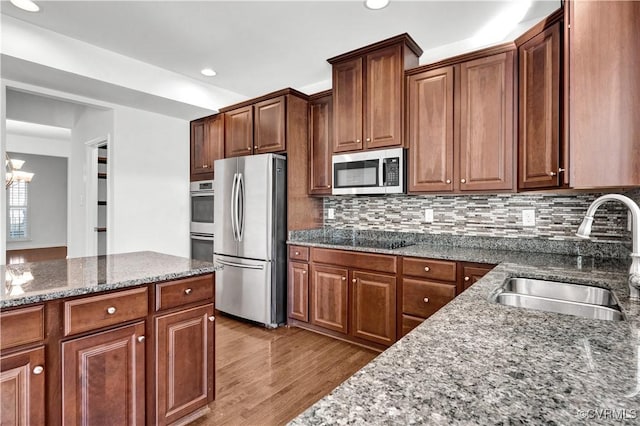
x=248, y=148
x=552, y=174
x=463, y=181
x=38, y=369
x=448, y=181
x=111, y=310
x=297, y=253
x=355, y=280
x=425, y=300
x=427, y=269
x=561, y=170
x=212, y=318
x=187, y=291
x=344, y=278
x=368, y=139
x=140, y=339
x=467, y=278
x=328, y=186
x=357, y=140
x=304, y=272
x=255, y=147
x=205, y=166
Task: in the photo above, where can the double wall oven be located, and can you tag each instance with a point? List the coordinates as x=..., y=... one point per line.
x=202, y=220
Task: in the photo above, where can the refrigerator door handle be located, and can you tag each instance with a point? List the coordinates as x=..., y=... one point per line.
x=240, y=211
x=232, y=206
x=239, y=265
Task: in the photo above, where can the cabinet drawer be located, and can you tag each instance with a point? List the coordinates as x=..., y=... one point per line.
x=428, y=268
x=424, y=298
x=356, y=260
x=21, y=326
x=183, y=292
x=299, y=253
x=92, y=313
x=409, y=323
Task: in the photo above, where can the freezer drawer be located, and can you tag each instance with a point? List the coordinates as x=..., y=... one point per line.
x=243, y=289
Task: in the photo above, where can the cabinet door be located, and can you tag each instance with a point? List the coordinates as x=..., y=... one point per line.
x=320, y=145
x=238, y=132
x=329, y=297
x=347, y=106
x=103, y=378
x=298, y=291
x=471, y=274
x=22, y=391
x=269, y=126
x=373, y=307
x=383, y=105
x=539, y=110
x=199, y=148
x=214, y=135
x=184, y=362
x=423, y=298
x=431, y=130
x=486, y=123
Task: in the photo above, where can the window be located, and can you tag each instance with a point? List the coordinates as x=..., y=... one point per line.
x=18, y=205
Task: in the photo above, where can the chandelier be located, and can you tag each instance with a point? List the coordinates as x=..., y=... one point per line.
x=13, y=172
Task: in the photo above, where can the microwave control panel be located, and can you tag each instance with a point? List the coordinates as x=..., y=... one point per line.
x=391, y=171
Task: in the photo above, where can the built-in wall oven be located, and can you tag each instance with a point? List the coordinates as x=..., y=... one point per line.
x=202, y=219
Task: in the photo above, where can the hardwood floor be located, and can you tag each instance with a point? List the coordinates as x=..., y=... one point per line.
x=268, y=377
x=35, y=255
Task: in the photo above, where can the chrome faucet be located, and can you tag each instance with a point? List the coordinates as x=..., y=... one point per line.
x=585, y=230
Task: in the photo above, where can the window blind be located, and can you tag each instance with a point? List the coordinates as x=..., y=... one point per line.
x=18, y=215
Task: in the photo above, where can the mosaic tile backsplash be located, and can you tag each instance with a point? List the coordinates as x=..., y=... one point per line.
x=557, y=216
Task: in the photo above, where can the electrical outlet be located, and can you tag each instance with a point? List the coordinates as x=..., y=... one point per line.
x=528, y=218
x=331, y=213
x=428, y=215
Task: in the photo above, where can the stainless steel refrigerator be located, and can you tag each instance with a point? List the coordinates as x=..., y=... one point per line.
x=250, y=228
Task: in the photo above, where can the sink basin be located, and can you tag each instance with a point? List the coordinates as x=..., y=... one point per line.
x=563, y=298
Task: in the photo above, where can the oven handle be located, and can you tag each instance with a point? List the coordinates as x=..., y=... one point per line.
x=202, y=237
x=202, y=194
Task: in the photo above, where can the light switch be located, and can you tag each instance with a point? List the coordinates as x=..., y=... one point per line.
x=331, y=213
x=428, y=215
x=528, y=218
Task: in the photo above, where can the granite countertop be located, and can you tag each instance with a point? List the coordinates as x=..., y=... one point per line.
x=57, y=279
x=478, y=362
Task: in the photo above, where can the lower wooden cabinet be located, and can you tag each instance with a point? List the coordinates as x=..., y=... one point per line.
x=103, y=378
x=22, y=388
x=424, y=298
x=409, y=323
x=298, y=300
x=471, y=273
x=373, y=308
x=329, y=297
x=184, y=353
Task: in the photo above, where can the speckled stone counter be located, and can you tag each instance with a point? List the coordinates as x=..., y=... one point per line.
x=478, y=362
x=73, y=277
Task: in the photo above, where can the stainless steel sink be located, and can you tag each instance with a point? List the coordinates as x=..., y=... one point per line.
x=564, y=298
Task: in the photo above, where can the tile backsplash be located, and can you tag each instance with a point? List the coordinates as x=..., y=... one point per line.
x=557, y=216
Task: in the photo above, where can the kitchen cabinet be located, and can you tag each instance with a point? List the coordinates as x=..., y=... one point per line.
x=320, y=143
x=184, y=361
x=238, y=132
x=269, y=126
x=373, y=307
x=471, y=273
x=329, y=297
x=298, y=283
x=22, y=387
x=103, y=377
x=207, y=146
x=461, y=123
x=541, y=153
x=602, y=61
x=368, y=94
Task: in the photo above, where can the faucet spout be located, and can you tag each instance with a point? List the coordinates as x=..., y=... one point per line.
x=585, y=230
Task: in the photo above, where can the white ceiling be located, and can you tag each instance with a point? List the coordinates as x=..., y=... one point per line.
x=261, y=46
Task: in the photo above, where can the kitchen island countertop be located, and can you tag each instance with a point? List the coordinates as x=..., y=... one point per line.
x=58, y=279
x=478, y=362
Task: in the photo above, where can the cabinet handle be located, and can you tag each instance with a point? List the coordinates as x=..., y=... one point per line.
x=38, y=369
x=463, y=181
x=140, y=339
x=467, y=278
x=255, y=147
x=552, y=174
x=425, y=300
x=357, y=140
x=368, y=139
x=304, y=272
x=328, y=186
x=248, y=148
x=427, y=269
x=111, y=310
x=448, y=181
x=204, y=166
x=344, y=278
x=297, y=253
x=212, y=318
x=561, y=170
x=355, y=280
x=187, y=291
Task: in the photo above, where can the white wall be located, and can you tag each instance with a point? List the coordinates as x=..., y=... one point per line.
x=38, y=145
x=47, y=202
x=150, y=183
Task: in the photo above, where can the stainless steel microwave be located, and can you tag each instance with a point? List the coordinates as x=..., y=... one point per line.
x=369, y=172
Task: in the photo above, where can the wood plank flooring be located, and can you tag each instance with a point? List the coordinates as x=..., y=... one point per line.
x=268, y=377
x=35, y=255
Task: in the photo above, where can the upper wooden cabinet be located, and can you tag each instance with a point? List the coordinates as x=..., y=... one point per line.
x=368, y=94
x=269, y=126
x=207, y=146
x=238, y=132
x=541, y=152
x=603, y=61
x=320, y=143
x=461, y=123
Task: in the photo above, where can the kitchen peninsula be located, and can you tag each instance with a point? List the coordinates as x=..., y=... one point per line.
x=124, y=337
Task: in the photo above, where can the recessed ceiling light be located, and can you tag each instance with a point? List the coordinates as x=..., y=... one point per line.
x=27, y=5
x=208, y=72
x=376, y=4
